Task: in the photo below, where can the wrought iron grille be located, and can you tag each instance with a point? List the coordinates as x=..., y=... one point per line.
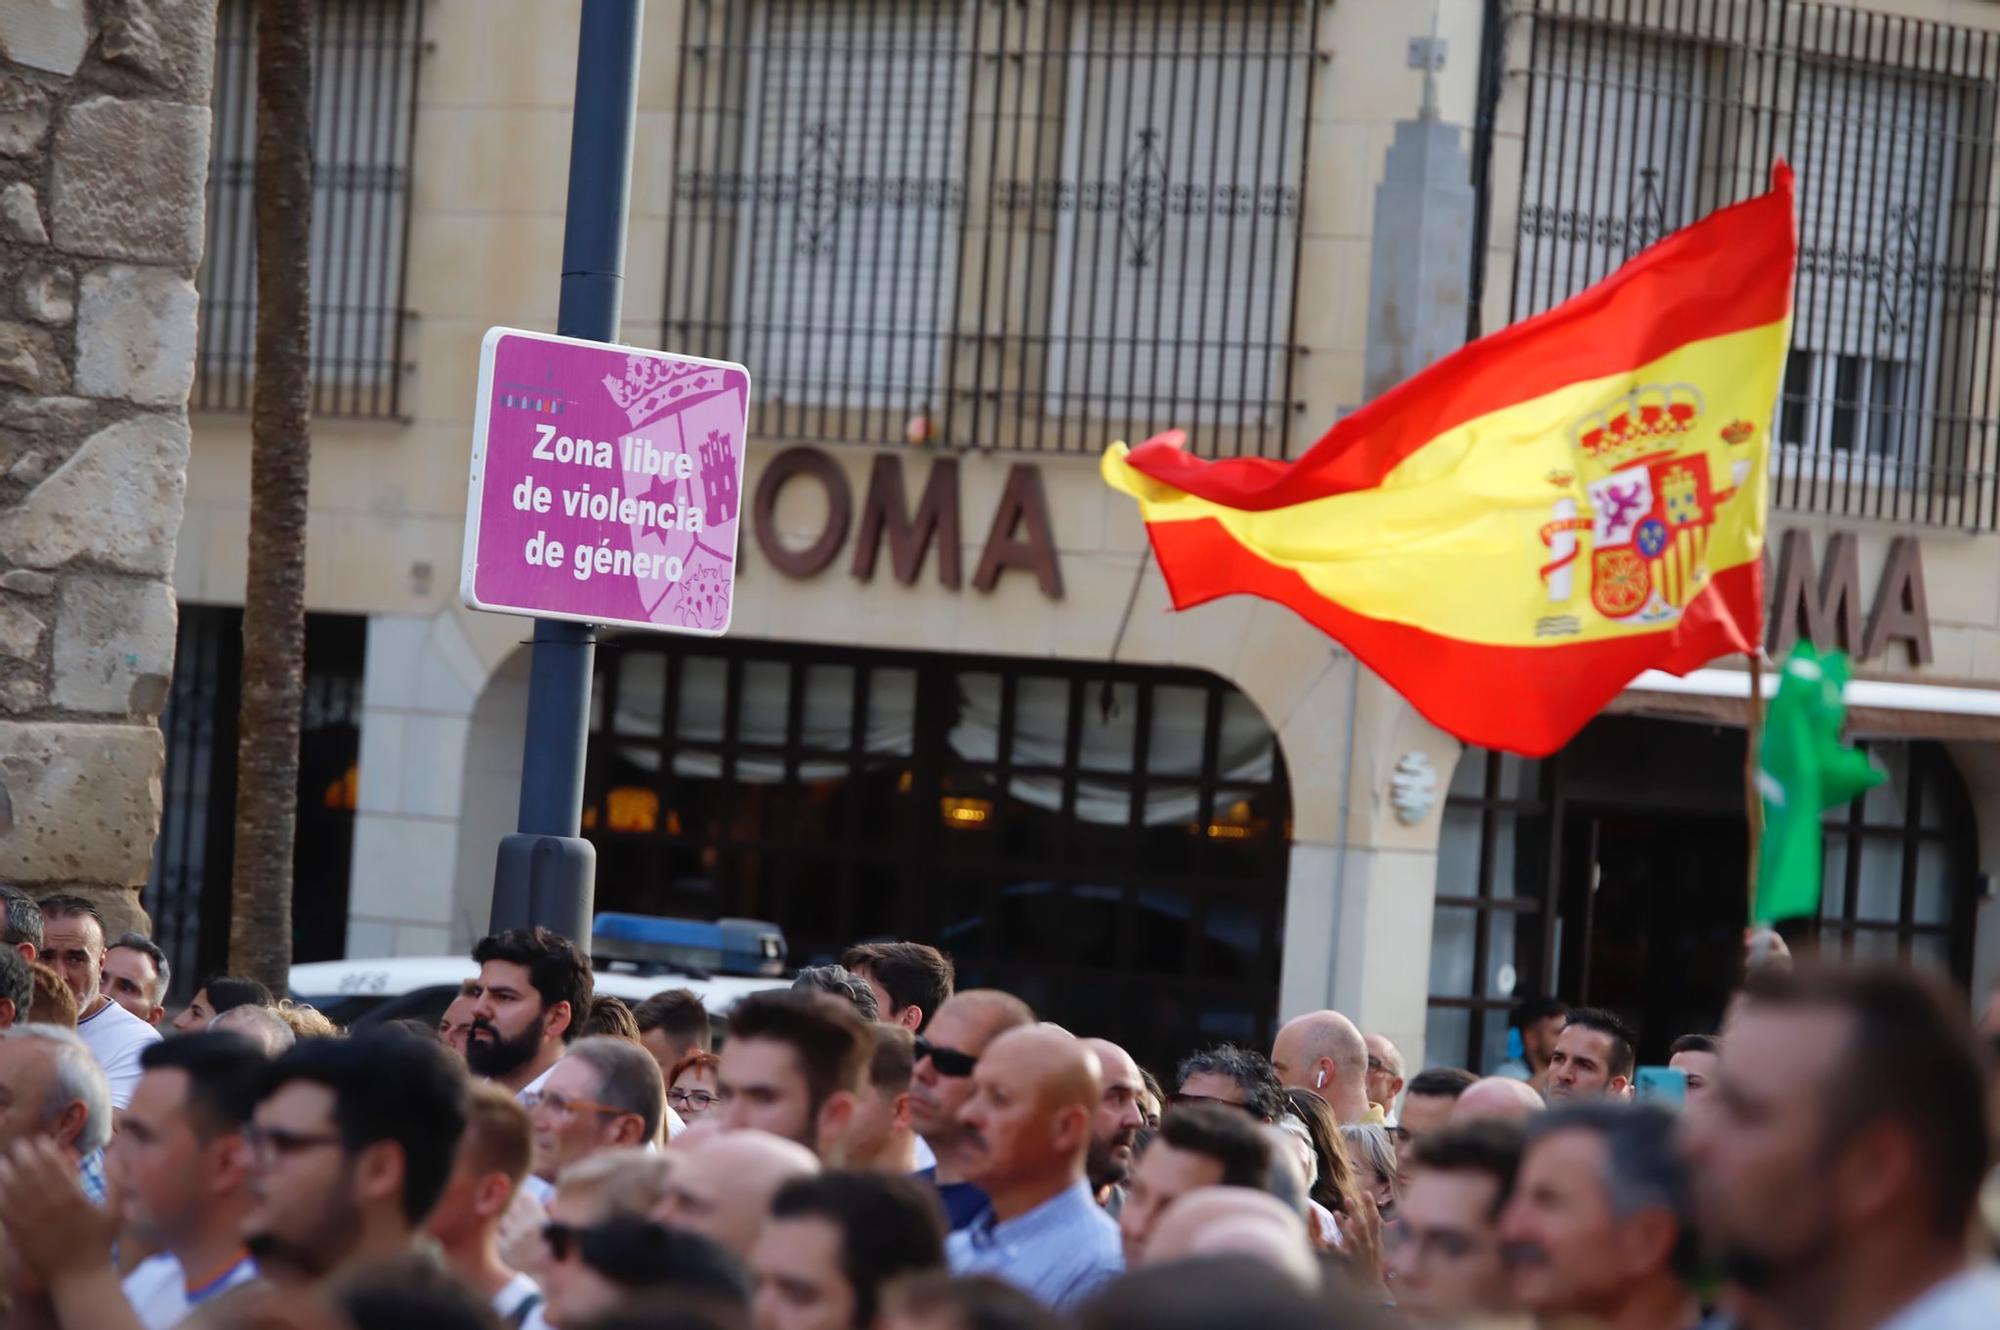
x=1034, y=224
x=1639, y=116
x=365, y=56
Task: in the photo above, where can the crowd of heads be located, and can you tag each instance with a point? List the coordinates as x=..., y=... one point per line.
x=872, y=1149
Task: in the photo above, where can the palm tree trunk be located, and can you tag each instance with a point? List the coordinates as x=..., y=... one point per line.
x=260, y=916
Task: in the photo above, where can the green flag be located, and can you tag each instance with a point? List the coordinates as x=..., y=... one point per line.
x=1803, y=769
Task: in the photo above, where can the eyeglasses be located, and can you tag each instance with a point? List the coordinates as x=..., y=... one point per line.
x=269, y=1143
x=1439, y=1243
x=1377, y=1065
x=948, y=1061
x=567, y=1107
x=698, y=1100
x=1176, y=1099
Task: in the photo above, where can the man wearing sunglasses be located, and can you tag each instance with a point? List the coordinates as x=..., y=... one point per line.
x=604, y=1095
x=350, y=1146
x=941, y=1083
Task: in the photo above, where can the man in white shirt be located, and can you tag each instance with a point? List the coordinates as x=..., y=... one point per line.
x=73, y=943
x=492, y=1159
x=183, y=1173
x=1838, y=1160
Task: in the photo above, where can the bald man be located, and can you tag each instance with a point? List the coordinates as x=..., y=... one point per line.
x=1236, y=1221
x=1496, y=1098
x=1026, y=1133
x=1116, y=1126
x=941, y=1082
x=1322, y=1051
x=722, y=1187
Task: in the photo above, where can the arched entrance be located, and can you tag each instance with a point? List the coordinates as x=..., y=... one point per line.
x=1110, y=843
x=1614, y=874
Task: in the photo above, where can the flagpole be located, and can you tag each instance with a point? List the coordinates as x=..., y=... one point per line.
x=1753, y=799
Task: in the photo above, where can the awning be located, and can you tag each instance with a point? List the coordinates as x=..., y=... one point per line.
x=1876, y=708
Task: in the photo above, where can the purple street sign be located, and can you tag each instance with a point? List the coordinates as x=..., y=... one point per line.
x=606, y=482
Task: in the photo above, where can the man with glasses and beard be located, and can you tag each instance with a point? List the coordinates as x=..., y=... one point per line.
x=941, y=1082
x=534, y=987
x=1115, y=1126
x=351, y=1145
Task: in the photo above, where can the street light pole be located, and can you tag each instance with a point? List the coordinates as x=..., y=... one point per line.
x=546, y=872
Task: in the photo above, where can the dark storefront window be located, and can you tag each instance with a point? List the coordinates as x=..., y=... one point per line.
x=187, y=895
x=1616, y=874
x=1109, y=844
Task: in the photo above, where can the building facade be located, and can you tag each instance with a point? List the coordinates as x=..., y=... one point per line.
x=964, y=244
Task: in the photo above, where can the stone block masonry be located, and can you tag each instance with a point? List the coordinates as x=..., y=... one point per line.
x=104, y=137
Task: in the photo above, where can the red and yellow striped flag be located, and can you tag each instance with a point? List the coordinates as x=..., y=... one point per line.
x=1513, y=535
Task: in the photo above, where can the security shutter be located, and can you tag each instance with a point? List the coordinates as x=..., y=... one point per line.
x=847, y=263
x=1613, y=145
x=1177, y=231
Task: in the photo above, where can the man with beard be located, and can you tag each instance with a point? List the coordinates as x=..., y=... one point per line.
x=351, y=1146
x=1115, y=1126
x=1027, y=1132
x=941, y=1082
x=1599, y=1227
x=534, y=987
x=1839, y=1156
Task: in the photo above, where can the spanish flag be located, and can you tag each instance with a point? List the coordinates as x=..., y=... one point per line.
x=1515, y=534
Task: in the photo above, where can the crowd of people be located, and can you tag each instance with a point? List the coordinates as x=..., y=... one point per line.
x=874, y=1149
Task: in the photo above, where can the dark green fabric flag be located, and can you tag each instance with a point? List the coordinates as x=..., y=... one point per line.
x=1803, y=769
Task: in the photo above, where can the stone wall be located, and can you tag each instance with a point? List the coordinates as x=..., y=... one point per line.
x=104, y=127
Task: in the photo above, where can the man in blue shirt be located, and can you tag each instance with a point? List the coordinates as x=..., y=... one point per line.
x=1027, y=1128
x=941, y=1083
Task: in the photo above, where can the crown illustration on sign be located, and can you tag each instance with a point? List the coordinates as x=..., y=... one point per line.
x=651, y=385
x=1645, y=422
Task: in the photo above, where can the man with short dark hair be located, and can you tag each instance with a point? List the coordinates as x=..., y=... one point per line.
x=1595, y=1054
x=673, y=1024
x=1537, y=1022
x=881, y=1139
x=73, y=943
x=793, y=1066
x=1697, y=1056
x=1600, y=1225
x=605, y=1094
x=1115, y=1128
x=493, y=1158
x=23, y=923
x=1444, y=1248
x=840, y=982
x=1027, y=1132
x=534, y=988
x=1227, y=1074
x=941, y=1083
x=1198, y=1145
x=831, y=1244
x=1838, y=1163
x=352, y=1142
x=1427, y=1105
x=136, y=975
x=17, y=987
x=911, y=981
x=180, y=1163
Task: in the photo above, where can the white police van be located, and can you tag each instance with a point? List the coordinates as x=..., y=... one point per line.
x=632, y=958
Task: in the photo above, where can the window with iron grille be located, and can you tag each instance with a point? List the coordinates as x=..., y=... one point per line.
x=365, y=56
x=1637, y=117
x=1032, y=225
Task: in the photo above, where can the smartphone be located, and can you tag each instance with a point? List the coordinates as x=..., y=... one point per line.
x=1662, y=1085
